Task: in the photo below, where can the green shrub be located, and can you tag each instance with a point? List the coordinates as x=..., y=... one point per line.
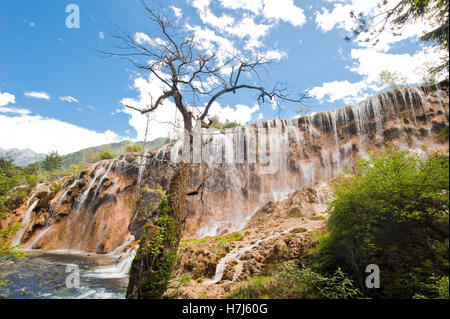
x=103, y=155
x=392, y=212
x=297, y=283
x=133, y=148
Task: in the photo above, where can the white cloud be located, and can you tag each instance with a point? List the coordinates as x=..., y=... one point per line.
x=14, y=110
x=406, y=64
x=69, y=99
x=38, y=95
x=160, y=119
x=43, y=134
x=249, y=20
x=141, y=38
x=254, y=6
x=6, y=98
x=240, y=113
x=339, y=16
x=177, y=11
x=368, y=60
x=32, y=24
x=340, y=90
x=166, y=120
x=284, y=10
x=248, y=28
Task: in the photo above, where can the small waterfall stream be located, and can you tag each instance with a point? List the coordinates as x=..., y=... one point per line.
x=235, y=254
x=25, y=223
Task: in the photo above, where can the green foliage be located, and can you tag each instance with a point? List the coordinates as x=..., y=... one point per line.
x=222, y=241
x=216, y=123
x=444, y=135
x=52, y=162
x=152, y=248
x=393, y=212
x=6, y=250
x=133, y=148
x=392, y=80
x=437, y=288
x=185, y=279
x=15, y=184
x=297, y=283
x=103, y=155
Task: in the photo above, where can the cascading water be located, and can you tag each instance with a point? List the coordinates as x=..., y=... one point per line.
x=242, y=168
x=333, y=140
x=25, y=222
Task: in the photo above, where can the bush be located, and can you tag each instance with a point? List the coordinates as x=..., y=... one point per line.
x=393, y=212
x=297, y=283
x=217, y=124
x=133, y=148
x=103, y=155
x=52, y=162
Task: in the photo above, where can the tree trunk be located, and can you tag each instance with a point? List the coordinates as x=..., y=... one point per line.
x=157, y=252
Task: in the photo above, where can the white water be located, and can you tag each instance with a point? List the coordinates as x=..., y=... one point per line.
x=85, y=194
x=100, y=183
x=37, y=238
x=119, y=270
x=25, y=223
x=235, y=255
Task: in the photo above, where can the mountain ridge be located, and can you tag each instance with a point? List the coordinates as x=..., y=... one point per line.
x=25, y=157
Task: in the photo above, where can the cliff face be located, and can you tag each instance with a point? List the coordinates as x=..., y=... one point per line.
x=109, y=202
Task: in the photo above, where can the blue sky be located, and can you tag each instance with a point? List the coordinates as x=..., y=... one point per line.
x=58, y=93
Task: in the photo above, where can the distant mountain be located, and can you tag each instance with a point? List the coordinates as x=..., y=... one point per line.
x=85, y=156
x=22, y=157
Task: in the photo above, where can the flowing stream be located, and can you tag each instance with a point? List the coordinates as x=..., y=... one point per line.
x=43, y=276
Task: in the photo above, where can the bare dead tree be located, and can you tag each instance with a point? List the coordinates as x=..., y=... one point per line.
x=192, y=72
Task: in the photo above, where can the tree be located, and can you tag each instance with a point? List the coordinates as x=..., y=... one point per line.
x=52, y=162
x=394, y=16
x=393, y=212
x=133, y=148
x=194, y=76
x=189, y=71
x=303, y=110
x=104, y=155
x=215, y=122
x=392, y=80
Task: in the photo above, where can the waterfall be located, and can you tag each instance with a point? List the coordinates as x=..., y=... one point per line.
x=38, y=237
x=85, y=194
x=100, y=183
x=74, y=183
x=303, y=151
x=25, y=223
x=243, y=168
x=220, y=268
